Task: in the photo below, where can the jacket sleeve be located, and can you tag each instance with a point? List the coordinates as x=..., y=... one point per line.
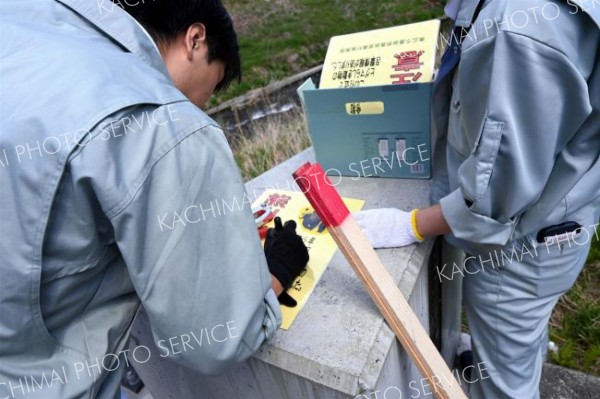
x=520, y=102
x=194, y=256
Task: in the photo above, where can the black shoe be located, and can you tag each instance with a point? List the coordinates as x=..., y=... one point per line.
x=465, y=360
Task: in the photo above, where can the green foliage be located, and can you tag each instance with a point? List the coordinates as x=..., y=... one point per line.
x=575, y=324
x=594, y=255
x=565, y=355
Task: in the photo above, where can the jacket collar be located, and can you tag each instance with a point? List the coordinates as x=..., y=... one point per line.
x=465, y=13
x=590, y=9
x=113, y=21
x=467, y=10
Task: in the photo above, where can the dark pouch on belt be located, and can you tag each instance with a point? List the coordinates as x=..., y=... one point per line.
x=557, y=229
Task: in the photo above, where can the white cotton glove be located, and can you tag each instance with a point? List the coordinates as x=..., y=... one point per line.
x=388, y=227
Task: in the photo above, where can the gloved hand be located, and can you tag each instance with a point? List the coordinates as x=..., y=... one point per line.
x=286, y=256
x=389, y=227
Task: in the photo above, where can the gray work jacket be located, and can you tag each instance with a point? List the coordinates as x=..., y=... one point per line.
x=115, y=190
x=517, y=126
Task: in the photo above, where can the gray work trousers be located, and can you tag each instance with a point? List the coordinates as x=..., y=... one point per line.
x=509, y=295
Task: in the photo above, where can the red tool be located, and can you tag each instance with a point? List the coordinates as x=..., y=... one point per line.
x=263, y=214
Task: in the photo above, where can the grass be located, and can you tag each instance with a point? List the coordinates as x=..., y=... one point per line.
x=279, y=38
x=595, y=253
x=271, y=143
x=575, y=322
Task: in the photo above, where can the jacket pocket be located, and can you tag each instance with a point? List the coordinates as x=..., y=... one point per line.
x=476, y=171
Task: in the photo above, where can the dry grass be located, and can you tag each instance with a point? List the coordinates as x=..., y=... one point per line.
x=272, y=142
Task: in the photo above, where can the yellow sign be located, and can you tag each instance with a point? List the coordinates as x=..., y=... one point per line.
x=397, y=55
x=321, y=247
x=365, y=108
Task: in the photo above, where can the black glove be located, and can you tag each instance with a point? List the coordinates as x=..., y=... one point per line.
x=286, y=256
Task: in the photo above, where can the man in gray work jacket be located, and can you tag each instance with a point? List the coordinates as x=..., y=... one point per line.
x=516, y=174
x=116, y=189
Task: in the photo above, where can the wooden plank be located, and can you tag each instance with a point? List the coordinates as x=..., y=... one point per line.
x=379, y=283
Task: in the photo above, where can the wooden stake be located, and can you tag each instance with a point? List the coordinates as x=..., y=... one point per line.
x=387, y=296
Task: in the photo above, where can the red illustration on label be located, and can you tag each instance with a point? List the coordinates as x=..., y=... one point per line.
x=407, y=61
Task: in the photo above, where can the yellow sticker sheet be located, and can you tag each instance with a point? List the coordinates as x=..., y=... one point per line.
x=321, y=247
x=397, y=55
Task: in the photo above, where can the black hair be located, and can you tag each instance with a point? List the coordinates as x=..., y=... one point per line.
x=165, y=20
